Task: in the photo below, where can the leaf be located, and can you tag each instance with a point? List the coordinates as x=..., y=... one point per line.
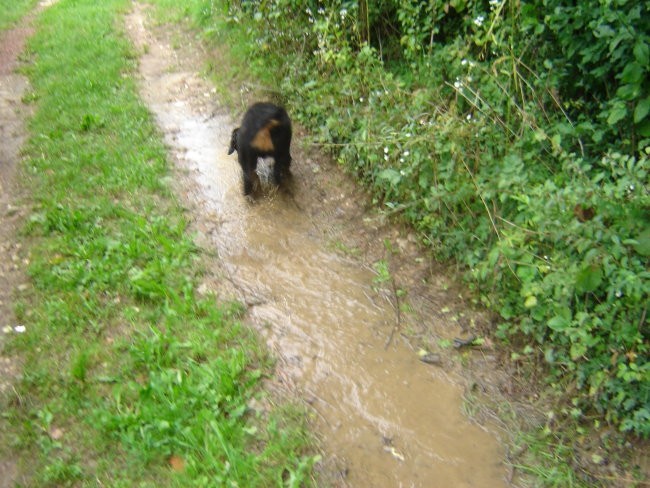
x=629, y=91
x=642, y=53
x=617, y=113
x=549, y=355
x=597, y=458
x=558, y=323
x=176, y=463
x=632, y=73
x=641, y=110
x=459, y=5
x=540, y=135
x=642, y=245
x=578, y=349
x=391, y=175
x=530, y=302
x=589, y=278
x=644, y=129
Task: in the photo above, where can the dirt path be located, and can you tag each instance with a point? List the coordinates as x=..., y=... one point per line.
x=385, y=418
x=12, y=134
x=13, y=115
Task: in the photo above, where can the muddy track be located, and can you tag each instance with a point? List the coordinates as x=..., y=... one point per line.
x=300, y=260
x=13, y=116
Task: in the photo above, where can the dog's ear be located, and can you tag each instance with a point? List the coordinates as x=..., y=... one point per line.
x=233, y=141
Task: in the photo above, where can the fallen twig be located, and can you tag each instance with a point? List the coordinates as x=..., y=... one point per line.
x=398, y=313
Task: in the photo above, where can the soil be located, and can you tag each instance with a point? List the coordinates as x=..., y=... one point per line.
x=13, y=114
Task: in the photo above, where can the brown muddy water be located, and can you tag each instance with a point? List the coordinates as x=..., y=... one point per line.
x=387, y=418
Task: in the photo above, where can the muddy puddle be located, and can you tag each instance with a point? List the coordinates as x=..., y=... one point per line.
x=387, y=418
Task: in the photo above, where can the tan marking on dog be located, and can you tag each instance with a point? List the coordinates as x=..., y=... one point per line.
x=262, y=140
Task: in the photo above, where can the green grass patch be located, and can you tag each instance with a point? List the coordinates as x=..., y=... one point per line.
x=130, y=377
x=12, y=10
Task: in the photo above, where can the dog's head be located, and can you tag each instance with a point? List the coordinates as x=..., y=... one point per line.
x=233, y=141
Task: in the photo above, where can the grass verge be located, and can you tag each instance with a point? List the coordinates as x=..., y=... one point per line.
x=130, y=376
x=12, y=10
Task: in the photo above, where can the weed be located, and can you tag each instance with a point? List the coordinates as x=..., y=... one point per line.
x=382, y=273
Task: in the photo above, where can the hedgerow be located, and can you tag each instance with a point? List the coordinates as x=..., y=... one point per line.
x=514, y=137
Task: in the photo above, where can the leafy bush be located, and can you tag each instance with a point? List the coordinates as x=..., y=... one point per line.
x=514, y=137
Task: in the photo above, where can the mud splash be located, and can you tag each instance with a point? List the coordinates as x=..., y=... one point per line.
x=389, y=418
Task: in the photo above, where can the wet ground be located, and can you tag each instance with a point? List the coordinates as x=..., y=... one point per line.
x=13, y=116
x=300, y=259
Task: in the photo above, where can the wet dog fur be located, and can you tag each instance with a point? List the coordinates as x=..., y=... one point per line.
x=265, y=131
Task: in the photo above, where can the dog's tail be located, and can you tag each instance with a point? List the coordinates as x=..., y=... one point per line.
x=233, y=141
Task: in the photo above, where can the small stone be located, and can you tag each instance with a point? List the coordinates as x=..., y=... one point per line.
x=431, y=358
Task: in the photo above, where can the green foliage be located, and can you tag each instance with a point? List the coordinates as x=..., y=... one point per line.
x=514, y=137
x=603, y=49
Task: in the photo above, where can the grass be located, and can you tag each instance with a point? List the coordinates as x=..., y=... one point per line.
x=130, y=376
x=12, y=10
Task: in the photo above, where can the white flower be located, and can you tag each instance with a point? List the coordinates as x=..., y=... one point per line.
x=469, y=116
x=463, y=62
x=385, y=150
x=478, y=21
x=406, y=153
x=20, y=329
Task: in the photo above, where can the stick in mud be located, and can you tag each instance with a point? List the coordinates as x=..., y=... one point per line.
x=398, y=313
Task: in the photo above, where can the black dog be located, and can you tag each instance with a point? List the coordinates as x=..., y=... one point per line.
x=265, y=131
